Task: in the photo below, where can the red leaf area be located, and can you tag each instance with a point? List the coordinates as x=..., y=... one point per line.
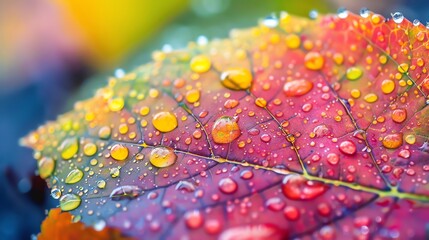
x=311, y=129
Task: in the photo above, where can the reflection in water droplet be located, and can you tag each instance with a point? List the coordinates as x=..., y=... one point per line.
x=275, y=204
x=314, y=61
x=399, y=115
x=348, y=147
x=119, y=152
x=265, y=137
x=69, y=202
x=228, y=185
x=237, y=79
x=89, y=149
x=297, y=88
x=246, y=174
x=398, y=17
x=364, y=12
x=46, y=167
x=164, y=121
x=69, y=148
x=392, y=141
x=74, y=176
x=115, y=172
x=101, y=184
x=162, y=157
x=55, y=193
x=185, y=186
x=296, y=187
x=225, y=130
x=333, y=158
x=125, y=192
x=321, y=130
x=194, y=219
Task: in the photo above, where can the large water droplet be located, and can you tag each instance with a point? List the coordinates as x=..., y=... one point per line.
x=194, y=219
x=116, y=104
x=354, y=73
x=399, y=115
x=90, y=149
x=74, y=176
x=164, y=121
x=200, y=64
x=225, y=130
x=227, y=185
x=162, y=157
x=314, y=61
x=392, y=141
x=46, y=167
x=69, y=202
x=125, y=192
x=348, y=147
x=297, y=88
x=297, y=187
x=69, y=148
x=119, y=152
x=237, y=79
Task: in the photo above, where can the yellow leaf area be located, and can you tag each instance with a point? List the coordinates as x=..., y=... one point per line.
x=310, y=109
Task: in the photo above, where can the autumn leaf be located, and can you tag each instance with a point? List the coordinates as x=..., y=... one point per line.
x=295, y=128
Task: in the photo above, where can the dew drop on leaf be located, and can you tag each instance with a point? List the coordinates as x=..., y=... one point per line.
x=194, y=219
x=348, y=147
x=116, y=104
x=296, y=88
x=74, y=176
x=392, y=141
x=314, y=61
x=162, y=157
x=387, y=86
x=119, y=152
x=55, y=193
x=297, y=187
x=101, y=184
x=333, y=158
x=104, y=132
x=193, y=96
x=200, y=64
x=225, y=130
x=237, y=79
x=227, y=185
x=164, y=121
x=275, y=204
x=354, y=73
x=125, y=192
x=398, y=17
x=399, y=115
x=291, y=213
x=46, y=167
x=69, y=202
x=89, y=149
x=69, y=148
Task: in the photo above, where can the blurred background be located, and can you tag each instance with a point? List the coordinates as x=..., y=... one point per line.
x=54, y=52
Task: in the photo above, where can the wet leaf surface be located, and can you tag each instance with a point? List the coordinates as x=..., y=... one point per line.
x=296, y=128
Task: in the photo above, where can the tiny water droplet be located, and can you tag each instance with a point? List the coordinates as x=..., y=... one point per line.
x=275, y=204
x=99, y=225
x=101, y=184
x=125, y=192
x=55, y=193
x=397, y=17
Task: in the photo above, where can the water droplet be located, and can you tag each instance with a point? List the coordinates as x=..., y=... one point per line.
x=115, y=172
x=416, y=22
x=193, y=96
x=212, y=226
x=194, y=219
x=370, y=98
x=162, y=157
x=364, y=12
x=410, y=139
x=387, y=86
x=348, y=147
x=354, y=73
x=313, y=14
x=227, y=185
x=261, y=102
x=99, y=225
x=314, y=61
x=271, y=21
x=293, y=41
x=392, y=141
x=164, y=121
x=275, y=204
x=321, y=130
x=246, y=174
x=297, y=88
x=46, y=167
x=399, y=115
x=237, y=79
x=74, y=176
x=185, y=186
x=342, y=13
x=104, y=132
x=116, y=104
x=119, y=152
x=333, y=158
x=69, y=202
x=397, y=17
x=200, y=64
x=297, y=187
x=125, y=192
x=69, y=148
x=225, y=130
x=291, y=213
x=90, y=149
x=265, y=137
x=101, y=184
x=55, y=193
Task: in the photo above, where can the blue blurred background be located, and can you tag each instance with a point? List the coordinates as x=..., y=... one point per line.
x=53, y=53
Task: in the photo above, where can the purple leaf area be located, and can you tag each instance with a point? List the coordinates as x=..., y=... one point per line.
x=310, y=129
